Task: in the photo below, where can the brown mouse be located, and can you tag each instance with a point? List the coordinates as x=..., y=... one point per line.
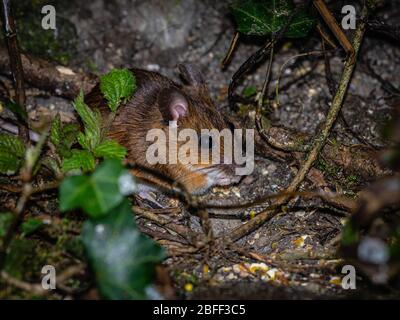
x=156, y=101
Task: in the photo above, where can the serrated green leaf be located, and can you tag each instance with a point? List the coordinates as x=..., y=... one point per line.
x=56, y=131
x=63, y=137
x=12, y=151
x=92, y=123
x=64, y=152
x=95, y=194
x=79, y=160
x=70, y=132
x=117, y=85
x=84, y=141
x=110, y=149
x=9, y=163
x=12, y=144
x=69, y=135
x=122, y=258
x=31, y=225
x=266, y=17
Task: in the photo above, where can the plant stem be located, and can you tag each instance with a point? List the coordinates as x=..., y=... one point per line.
x=320, y=139
x=231, y=49
x=15, y=65
x=31, y=157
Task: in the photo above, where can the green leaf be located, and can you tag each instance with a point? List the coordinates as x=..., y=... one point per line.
x=30, y=226
x=249, y=91
x=110, y=149
x=9, y=163
x=69, y=137
x=56, y=131
x=122, y=258
x=92, y=123
x=5, y=220
x=95, y=194
x=12, y=152
x=300, y=25
x=266, y=17
x=79, y=160
x=70, y=132
x=117, y=85
x=12, y=144
x=63, y=137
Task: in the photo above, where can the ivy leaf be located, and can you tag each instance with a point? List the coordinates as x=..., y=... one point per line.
x=110, y=149
x=92, y=123
x=122, y=258
x=12, y=151
x=95, y=194
x=266, y=17
x=300, y=25
x=63, y=137
x=117, y=85
x=252, y=17
x=79, y=160
x=12, y=144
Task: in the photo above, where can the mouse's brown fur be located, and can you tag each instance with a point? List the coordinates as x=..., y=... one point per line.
x=150, y=107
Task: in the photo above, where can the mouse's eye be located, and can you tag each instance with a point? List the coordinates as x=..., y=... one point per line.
x=206, y=141
x=231, y=126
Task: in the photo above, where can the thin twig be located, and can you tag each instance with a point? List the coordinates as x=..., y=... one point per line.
x=332, y=89
x=253, y=60
x=264, y=91
x=258, y=56
x=15, y=65
x=31, y=158
x=319, y=142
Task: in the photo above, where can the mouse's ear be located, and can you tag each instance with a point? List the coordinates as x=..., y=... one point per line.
x=173, y=104
x=191, y=74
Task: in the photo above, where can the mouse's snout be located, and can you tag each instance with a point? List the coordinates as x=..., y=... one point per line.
x=221, y=175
